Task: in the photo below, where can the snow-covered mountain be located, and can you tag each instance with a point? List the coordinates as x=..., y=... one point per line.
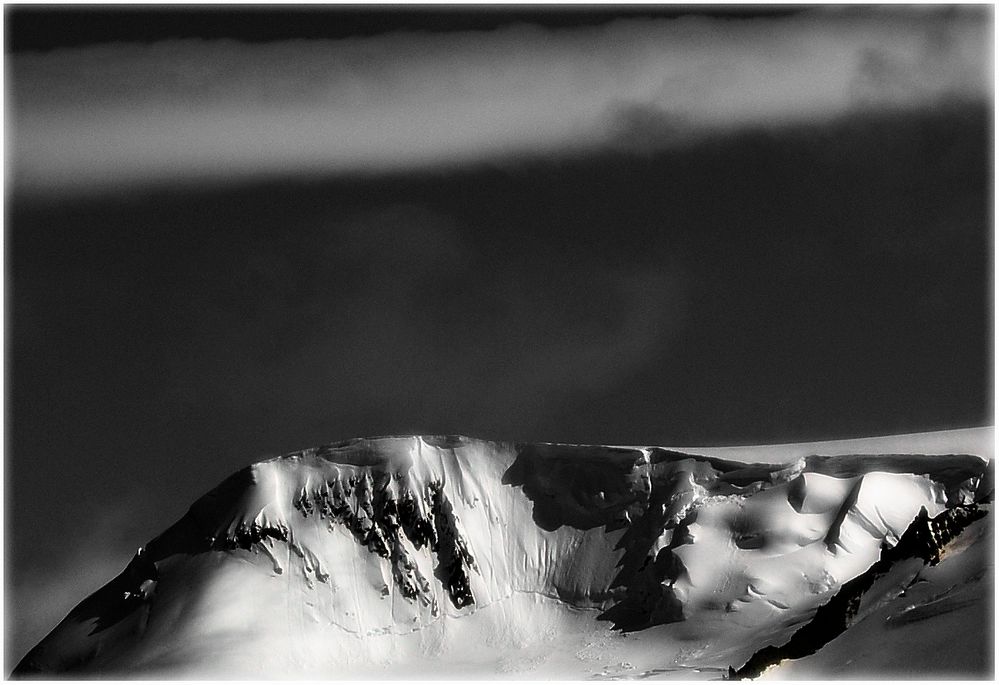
x=448, y=556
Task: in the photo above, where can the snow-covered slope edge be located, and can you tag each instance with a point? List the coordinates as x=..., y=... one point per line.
x=378, y=556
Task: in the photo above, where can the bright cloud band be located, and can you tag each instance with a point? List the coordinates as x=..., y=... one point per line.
x=117, y=115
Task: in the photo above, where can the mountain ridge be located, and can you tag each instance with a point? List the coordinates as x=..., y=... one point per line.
x=378, y=538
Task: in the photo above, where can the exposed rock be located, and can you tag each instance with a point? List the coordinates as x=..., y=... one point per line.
x=397, y=537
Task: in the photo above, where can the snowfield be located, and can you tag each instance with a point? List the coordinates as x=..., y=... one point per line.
x=449, y=557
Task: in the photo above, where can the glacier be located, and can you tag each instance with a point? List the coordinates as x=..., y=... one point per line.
x=447, y=556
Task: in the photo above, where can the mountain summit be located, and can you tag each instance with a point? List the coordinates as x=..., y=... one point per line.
x=448, y=556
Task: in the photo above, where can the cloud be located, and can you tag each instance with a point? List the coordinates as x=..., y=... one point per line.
x=117, y=115
x=397, y=312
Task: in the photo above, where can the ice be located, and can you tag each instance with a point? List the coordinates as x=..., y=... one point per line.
x=450, y=556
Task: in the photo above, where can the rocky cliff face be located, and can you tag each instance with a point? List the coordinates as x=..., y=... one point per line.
x=387, y=554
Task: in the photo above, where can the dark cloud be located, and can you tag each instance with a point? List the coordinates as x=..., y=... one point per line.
x=358, y=303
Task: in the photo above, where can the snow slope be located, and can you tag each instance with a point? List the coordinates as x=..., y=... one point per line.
x=453, y=557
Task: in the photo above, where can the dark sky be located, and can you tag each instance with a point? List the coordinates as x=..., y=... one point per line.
x=824, y=277
x=49, y=27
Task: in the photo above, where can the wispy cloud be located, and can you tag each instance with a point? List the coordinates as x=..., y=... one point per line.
x=428, y=323
x=121, y=114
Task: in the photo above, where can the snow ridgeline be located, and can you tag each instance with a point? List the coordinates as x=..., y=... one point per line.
x=406, y=550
